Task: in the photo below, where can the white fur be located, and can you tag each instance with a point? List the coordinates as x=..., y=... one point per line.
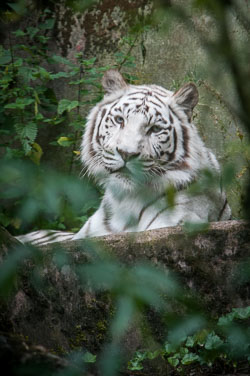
x=149, y=126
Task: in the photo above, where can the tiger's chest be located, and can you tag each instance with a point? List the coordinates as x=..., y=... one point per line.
x=131, y=214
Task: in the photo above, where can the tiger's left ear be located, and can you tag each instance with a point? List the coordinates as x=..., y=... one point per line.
x=113, y=81
x=187, y=97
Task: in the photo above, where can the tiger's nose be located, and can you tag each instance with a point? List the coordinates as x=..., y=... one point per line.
x=126, y=156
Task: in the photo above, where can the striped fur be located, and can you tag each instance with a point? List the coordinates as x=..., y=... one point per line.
x=139, y=140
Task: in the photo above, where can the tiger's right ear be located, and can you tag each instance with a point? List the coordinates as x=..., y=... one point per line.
x=113, y=81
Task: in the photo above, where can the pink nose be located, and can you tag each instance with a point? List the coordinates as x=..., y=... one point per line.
x=126, y=155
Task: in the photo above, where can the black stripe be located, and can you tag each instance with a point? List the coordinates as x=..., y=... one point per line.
x=47, y=235
x=172, y=155
x=174, y=113
x=185, y=141
x=148, y=205
x=164, y=104
x=164, y=142
x=156, y=151
x=171, y=118
x=222, y=210
x=109, y=159
x=156, y=104
x=98, y=127
x=107, y=217
x=48, y=239
x=159, y=91
x=156, y=216
x=143, y=92
x=91, y=149
x=135, y=99
x=113, y=105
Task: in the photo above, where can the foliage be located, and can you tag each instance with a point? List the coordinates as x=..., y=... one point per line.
x=28, y=100
x=205, y=346
x=42, y=195
x=30, y=107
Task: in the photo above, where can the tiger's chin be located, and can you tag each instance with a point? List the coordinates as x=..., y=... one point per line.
x=123, y=183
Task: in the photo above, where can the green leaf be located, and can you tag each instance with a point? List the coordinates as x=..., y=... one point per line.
x=190, y=341
x=89, y=62
x=19, y=33
x=190, y=358
x=174, y=361
x=65, y=141
x=9, y=268
x=66, y=105
x=27, y=134
x=213, y=341
x=241, y=313
x=170, y=195
x=123, y=316
x=18, y=7
x=32, y=31
x=48, y=24
x=89, y=358
x=153, y=354
x=62, y=60
x=20, y=103
x=36, y=153
x=184, y=328
x=135, y=363
x=5, y=57
x=42, y=73
x=195, y=227
x=135, y=366
x=169, y=348
x=237, y=313
x=5, y=220
x=60, y=75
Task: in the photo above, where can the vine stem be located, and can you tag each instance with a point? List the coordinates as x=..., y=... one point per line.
x=77, y=133
x=11, y=52
x=128, y=53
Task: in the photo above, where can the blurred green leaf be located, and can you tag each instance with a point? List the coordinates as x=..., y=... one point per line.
x=123, y=316
x=48, y=24
x=89, y=358
x=66, y=105
x=185, y=328
x=9, y=269
x=173, y=360
x=237, y=313
x=193, y=228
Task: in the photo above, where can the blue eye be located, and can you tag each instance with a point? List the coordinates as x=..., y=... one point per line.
x=119, y=119
x=155, y=129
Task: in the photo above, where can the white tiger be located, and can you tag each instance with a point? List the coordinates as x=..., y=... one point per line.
x=138, y=141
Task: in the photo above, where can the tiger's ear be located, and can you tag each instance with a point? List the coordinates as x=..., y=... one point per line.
x=113, y=81
x=187, y=97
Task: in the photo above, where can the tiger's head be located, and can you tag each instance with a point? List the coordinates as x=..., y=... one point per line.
x=141, y=133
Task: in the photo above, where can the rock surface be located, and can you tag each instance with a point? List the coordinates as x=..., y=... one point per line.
x=50, y=307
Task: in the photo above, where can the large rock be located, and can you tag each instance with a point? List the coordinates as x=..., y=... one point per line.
x=50, y=306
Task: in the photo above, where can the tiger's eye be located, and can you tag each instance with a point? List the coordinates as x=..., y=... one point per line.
x=119, y=119
x=155, y=129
